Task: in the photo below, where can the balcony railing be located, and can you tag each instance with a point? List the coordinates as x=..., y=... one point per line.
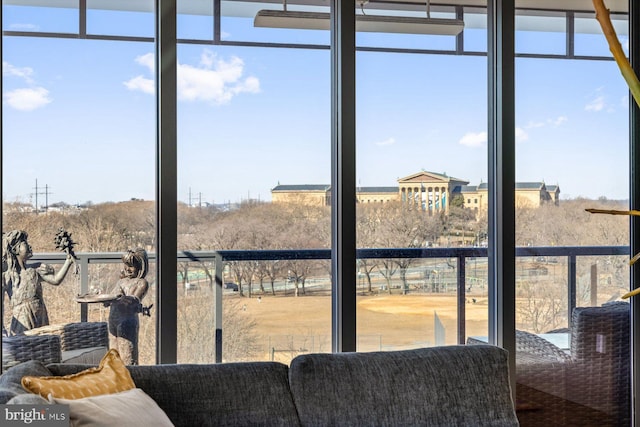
x=460, y=254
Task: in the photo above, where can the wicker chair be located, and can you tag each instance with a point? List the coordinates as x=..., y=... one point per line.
x=20, y=348
x=540, y=381
x=600, y=375
x=531, y=346
x=588, y=386
x=77, y=339
x=78, y=335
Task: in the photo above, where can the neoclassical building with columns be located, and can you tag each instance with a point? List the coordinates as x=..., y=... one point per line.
x=428, y=191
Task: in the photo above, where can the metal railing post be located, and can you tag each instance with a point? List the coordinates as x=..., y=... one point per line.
x=462, y=284
x=217, y=315
x=84, y=286
x=571, y=287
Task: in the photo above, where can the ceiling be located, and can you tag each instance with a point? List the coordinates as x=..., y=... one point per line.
x=204, y=6
x=532, y=15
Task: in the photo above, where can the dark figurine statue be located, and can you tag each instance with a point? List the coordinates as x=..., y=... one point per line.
x=127, y=304
x=23, y=283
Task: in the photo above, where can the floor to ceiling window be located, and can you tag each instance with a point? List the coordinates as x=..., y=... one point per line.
x=572, y=339
x=254, y=174
x=79, y=151
x=421, y=160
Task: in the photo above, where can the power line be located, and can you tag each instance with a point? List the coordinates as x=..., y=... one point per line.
x=46, y=193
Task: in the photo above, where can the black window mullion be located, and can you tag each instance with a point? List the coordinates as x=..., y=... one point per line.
x=82, y=18
x=166, y=181
x=343, y=176
x=501, y=146
x=634, y=202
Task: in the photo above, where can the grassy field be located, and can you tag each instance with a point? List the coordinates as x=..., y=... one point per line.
x=291, y=325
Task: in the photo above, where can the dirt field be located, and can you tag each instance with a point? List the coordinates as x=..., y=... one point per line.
x=288, y=324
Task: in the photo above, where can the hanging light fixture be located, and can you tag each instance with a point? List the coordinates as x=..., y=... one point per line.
x=367, y=23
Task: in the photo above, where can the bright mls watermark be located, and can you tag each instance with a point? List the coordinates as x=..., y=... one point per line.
x=34, y=415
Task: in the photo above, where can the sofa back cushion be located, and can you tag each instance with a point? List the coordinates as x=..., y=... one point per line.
x=224, y=394
x=11, y=380
x=451, y=385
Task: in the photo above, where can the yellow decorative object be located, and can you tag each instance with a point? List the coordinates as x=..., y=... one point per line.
x=602, y=16
x=111, y=376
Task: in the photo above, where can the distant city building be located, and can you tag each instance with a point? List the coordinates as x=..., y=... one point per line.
x=528, y=194
x=430, y=191
x=319, y=195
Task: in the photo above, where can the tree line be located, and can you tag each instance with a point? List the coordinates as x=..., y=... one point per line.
x=115, y=227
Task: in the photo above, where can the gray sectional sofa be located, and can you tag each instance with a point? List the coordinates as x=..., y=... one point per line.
x=439, y=386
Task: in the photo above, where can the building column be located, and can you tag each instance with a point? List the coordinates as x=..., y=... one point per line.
x=447, y=200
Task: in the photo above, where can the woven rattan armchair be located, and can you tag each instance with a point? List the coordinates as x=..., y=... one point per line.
x=531, y=347
x=76, y=336
x=600, y=375
x=80, y=342
x=20, y=348
x=588, y=386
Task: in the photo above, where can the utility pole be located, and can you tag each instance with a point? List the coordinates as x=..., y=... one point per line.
x=45, y=193
x=46, y=198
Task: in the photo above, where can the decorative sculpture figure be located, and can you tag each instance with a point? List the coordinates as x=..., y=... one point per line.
x=127, y=303
x=23, y=283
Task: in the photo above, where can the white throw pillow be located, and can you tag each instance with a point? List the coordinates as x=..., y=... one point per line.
x=131, y=408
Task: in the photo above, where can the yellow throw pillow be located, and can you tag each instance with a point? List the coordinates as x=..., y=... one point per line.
x=111, y=376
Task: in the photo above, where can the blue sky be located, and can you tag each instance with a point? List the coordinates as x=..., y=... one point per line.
x=79, y=116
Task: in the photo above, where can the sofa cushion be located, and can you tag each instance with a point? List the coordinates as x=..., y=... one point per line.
x=131, y=408
x=86, y=356
x=28, y=399
x=451, y=385
x=10, y=380
x=226, y=394
x=111, y=376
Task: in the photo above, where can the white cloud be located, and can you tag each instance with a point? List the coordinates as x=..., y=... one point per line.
x=550, y=121
x=521, y=135
x=25, y=72
x=479, y=139
x=558, y=120
x=213, y=80
x=27, y=99
x=142, y=84
x=597, y=104
x=388, y=141
x=471, y=139
x=207, y=58
x=24, y=27
x=147, y=60
x=532, y=125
